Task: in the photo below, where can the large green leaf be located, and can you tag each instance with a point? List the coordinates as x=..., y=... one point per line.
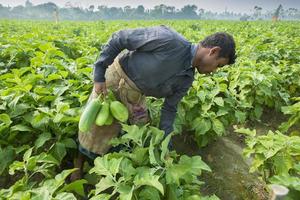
x=218, y=127
x=7, y=156
x=104, y=183
x=126, y=192
x=149, y=193
x=42, y=138
x=145, y=176
x=195, y=163
x=106, y=167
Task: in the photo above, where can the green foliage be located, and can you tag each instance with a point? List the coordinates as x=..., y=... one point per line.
x=275, y=155
x=46, y=78
x=52, y=188
x=30, y=169
x=145, y=166
x=294, y=111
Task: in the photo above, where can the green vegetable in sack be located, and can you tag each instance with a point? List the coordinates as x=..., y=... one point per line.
x=119, y=111
x=89, y=115
x=103, y=114
x=109, y=120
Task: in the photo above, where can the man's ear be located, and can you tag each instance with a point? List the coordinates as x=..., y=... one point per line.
x=214, y=51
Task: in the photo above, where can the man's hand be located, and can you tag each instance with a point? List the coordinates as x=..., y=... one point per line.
x=100, y=88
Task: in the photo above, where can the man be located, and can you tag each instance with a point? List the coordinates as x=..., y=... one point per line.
x=157, y=62
x=161, y=63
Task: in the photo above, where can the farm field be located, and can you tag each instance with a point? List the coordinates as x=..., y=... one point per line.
x=46, y=79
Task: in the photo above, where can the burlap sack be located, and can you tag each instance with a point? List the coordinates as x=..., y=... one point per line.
x=97, y=139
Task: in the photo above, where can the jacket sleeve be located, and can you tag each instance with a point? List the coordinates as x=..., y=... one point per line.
x=140, y=39
x=169, y=110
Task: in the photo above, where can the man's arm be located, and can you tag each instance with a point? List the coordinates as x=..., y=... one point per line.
x=142, y=39
x=169, y=110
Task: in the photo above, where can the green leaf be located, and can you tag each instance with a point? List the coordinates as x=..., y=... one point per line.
x=246, y=131
x=76, y=186
x=149, y=193
x=219, y=101
x=27, y=154
x=58, y=91
x=175, y=172
x=145, y=176
x=156, y=138
x=186, y=166
x=7, y=156
x=16, y=166
x=105, y=166
x=20, y=109
x=40, y=141
x=156, y=135
x=139, y=155
x=41, y=193
x=58, y=118
x=164, y=147
x=40, y=119
x=258, y=110
x=46, y=158
x=46, y=47
x=69, y=143
x=218, y=127
x=201, y=125
x=65, y=196
x=133, y=133
x=195, y=163
x=59, y=151
x=52, y=77
x=127, y=169
x=240, y=116
x=286, y=180
x=282, y=163
x=61, y=177
x=172, y=192
x=21, y=128
x=101, y=196
x=222, y=112
x=126, y=192
x=104, y=183
x=5, y=119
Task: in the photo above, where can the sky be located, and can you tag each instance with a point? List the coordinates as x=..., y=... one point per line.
x=243, y=6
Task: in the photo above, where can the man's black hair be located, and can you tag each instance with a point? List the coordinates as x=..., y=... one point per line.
x=223, y=40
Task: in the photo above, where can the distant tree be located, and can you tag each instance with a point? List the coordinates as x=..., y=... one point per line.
x=74, y=11
x=91, y=8
x=292, y=12
x=277, y=13
x=140, y=10
x=189, y=11
x=102, y=11
x=47, y=6
x=257, y=11
x=170, y=10
x=18, y=9
x=128, y=11
x=28, y=4
x=245, y=17
x=115, y=13
x=201, y=11
x=159, y=11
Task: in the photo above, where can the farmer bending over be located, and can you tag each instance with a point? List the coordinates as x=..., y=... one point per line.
x=156, y=61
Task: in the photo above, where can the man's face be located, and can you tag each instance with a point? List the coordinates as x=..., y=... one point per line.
x=209, y=60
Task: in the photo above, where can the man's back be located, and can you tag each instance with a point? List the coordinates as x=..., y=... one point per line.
x=154, y=56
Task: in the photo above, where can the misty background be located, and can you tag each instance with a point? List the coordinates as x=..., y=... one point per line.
x=132, y=9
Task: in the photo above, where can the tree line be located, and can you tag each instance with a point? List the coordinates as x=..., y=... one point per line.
x=50, y=11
